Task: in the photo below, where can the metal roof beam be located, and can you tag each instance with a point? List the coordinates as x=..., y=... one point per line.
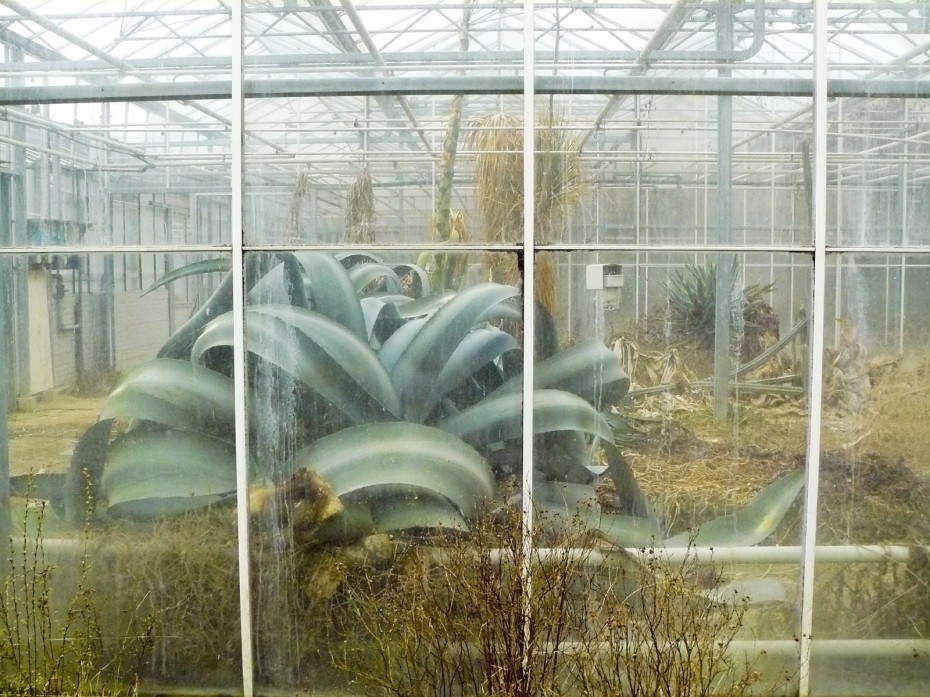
x=492, y=85
x=373, y=50
x=123, y=66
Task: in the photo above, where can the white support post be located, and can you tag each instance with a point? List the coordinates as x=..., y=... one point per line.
x=242, y=444
x=815, y=396
x=529, y=284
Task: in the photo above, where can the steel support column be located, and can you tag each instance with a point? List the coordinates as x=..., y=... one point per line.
x=724, y=222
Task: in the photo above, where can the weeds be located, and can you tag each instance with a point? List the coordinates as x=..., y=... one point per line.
x=486, y=615
x=666, y=628
x=50, y=640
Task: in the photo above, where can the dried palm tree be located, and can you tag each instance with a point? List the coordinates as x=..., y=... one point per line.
x=292, y=227
x=498, y=140
x=360, y=211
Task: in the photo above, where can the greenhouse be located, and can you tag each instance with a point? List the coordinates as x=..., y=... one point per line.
x=472, y=347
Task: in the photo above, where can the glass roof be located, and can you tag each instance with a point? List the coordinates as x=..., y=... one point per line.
x=335, y=48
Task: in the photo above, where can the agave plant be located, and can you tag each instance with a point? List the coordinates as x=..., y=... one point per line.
x=405, y=408
x=692, y=302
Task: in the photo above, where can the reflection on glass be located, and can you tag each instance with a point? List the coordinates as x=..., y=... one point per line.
x=656, y=315
x=684, y=41
x=122, y=469
x=633, y=335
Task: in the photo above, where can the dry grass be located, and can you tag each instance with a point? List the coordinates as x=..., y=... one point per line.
x=183, y=572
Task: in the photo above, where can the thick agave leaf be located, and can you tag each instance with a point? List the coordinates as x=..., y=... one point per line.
x=395, y=345
x=588, y=369
x=85, y=470
x=219, y=265
x=179, y=344
x=322, y=354
x=174, y=393
x=157, y=473
x=564, y=455
x=381, y=320
x=418, y=367
x=477, y=349
x=49, y=486
x=352, y=524
x=331, y=291
x=421, y=285
x=281, y=284
x=427, y=305
x=500, y=418
x=628, y=498
x=350, y=259
x=565, y=507
x=363, y=275
x=750, y=524
x=417, y=513
x=397, y=459
x=395, y=299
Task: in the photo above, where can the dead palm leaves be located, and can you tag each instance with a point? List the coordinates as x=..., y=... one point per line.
x=360, y=211
x=498, y=140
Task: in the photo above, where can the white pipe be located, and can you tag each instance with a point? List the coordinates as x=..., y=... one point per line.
x=845, y=648
x=831, y=554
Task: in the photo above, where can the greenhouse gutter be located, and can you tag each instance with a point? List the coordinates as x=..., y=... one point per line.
x=429, y=85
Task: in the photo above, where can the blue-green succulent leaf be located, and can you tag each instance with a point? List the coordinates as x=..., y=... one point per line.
x=156, y=473
x=174, y=393
x=218, y=265
x=423, y=359
x=500, y=418
x=400, y=459
x=325, y=356
x=363, y=275
x=589, y=369
x=750, y=524
x=331, y=292
x=479, y=347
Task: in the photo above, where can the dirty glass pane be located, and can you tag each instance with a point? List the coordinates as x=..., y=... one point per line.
x=123, y=475
x=871, y=515
x=94, y=175
x=876, y=172
x=873, y=41
x=648, y=173
x=374, y=439
x=648, y=464
x=757, y=40
x=334, y=159
x=345, y=174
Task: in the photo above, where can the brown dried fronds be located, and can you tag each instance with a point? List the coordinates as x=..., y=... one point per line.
x=360, y=211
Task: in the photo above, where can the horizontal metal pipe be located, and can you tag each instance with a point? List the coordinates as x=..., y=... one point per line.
x=820, y=648
x=492, y=85
x=828, y=554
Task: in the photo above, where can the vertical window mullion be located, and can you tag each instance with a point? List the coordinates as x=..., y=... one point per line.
x=529, y=285
x=815, y=397
x=529, y=260
x=242, y=445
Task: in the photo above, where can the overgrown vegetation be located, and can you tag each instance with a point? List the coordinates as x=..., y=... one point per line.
x=371, y=412
x=489, y=614
x=51, y=640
